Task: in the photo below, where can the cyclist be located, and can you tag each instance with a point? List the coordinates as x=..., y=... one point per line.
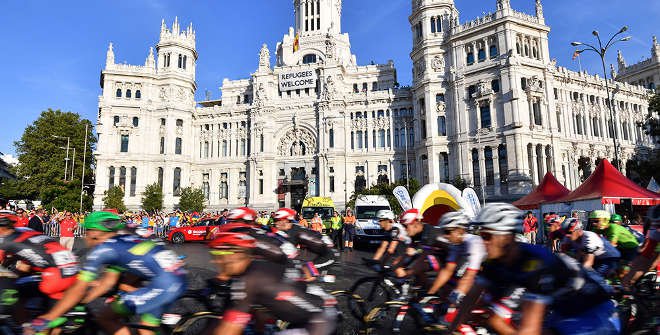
x=618, y=235
x=144, y=259
x=46, y=268
x=560, y=294
x=255, y=282
x=649, y=256
x=318, y=244
x=395, y=240
x=589, y=248
x=466, y=250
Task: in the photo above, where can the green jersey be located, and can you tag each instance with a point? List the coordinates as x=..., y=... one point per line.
x=621, y=237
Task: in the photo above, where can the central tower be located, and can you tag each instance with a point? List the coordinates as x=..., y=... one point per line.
x=318, y=16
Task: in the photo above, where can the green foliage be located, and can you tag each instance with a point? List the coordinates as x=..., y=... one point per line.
x=386, y=190
x=152, y=199
x=192, y=199
x=646, y=162
x=114, y=198
x=460, y=183
x=652, y=120
x=40, y=172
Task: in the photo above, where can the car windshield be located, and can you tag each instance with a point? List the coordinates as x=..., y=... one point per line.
x=368, y=212
x=324, y=212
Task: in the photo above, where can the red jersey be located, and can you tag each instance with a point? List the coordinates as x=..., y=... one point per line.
x=67, y=227
x=22, y=222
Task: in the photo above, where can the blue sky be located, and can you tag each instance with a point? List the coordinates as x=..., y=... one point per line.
x=53, y=52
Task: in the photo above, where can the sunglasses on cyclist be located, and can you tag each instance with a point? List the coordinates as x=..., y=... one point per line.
x=447, y=231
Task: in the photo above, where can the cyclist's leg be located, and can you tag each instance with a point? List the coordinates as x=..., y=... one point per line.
x=323, y=323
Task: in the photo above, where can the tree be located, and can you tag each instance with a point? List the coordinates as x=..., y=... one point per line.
x=460, y=183
x=114, y=198
x=152, y=199
x=646, y=162
x=192, y=199
x=41, y=161
x=386, y=190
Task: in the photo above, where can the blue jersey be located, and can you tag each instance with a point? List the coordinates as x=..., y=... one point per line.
x=554, y=280
x=142, y=258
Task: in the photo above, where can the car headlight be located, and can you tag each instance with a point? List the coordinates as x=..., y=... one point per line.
x=359, y=230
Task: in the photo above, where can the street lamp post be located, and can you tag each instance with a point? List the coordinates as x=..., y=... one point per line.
x=66, y=160
x=405, y=134
x=73, y=164
x=602, y=51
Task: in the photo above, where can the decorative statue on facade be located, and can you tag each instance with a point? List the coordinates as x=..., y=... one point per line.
x=260, y=95
x=329, y=89
x=329, y=47
x=438, y=63
x=264, y=58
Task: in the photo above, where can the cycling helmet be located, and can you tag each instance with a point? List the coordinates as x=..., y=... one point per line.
x=7, y=218
x=599, y=214
x=227, y=242
x=244, y=214
x=234, y=227
x=616, y=218
x=454, y=220
x=552, y=218
x=500, y=218
x=285, y=214
x=572, y=225
x=103, y=221
x=410, y=216
x=653, y=215
x=385, y=214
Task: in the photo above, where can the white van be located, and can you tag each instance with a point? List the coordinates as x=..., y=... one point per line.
x=367, y=229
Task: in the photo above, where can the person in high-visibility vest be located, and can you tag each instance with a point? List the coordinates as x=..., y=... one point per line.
x=317, y=223
x=349, y=229
x=336, y=230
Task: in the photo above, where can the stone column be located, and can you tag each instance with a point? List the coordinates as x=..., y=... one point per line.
x=534, y=167
x=496, y=172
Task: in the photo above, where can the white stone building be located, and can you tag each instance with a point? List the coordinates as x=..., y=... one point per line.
x=487, y=104
x=645, y=73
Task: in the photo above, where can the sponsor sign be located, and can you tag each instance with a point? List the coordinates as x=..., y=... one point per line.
x=473, y=200
x=403, y=197
x=297, y=80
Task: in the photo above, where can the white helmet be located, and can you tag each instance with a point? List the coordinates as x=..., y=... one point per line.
x=454, y=220
x=500, y=217
x=385, y=214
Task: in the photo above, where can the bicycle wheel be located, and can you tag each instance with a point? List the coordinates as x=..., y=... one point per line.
x=380, y=319
x=350, y=311
x=373, y=290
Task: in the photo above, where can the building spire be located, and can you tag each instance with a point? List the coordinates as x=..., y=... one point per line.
x=503, y=4
x=110, y=56
x=613, y=73
x=620, y=60
x=655, y=51
x=539, y=10
x=150, y=62
x=175, y=26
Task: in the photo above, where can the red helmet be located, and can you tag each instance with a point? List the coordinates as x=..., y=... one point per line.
x=285, y=214
x=571, y=225
x=244, y=214
x=552, y=218
x=232, y=241
x=410, y=216
x=7, y=218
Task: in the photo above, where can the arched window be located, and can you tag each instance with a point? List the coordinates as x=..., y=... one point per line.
x=331, y=138
x=111, y=177
x=176, y=182
x=261, y=143
x=624, y=129
x=133, y=180
x=594, y=126
x=185, y=61
x=309, y=59
x=180, y=62
x=481, y=55
x=490, y=170
x=118, y=93
x=360, y=139
x=526, y=51
x=124, y=143
x=138, y=94
x=179, y=123
x=160, y=178
x=433, y=24
x=493, y=51
x=177, y=146
x=470, y=58
x=128, y=93
x=136, y=121
x=518, y=48
x=206, y=149
x=352, y=140
x=484, y=113
x=536, y=108
x=381, y=138
x=442, y=126
x=476, y=176
x=122, y=177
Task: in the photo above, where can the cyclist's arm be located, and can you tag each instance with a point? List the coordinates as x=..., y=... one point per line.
x=71, y=298
x=467, y=281
x=588, y=261
x=104, y=285
x=639, y=266
x=442, y=278
x=392, y=248
x=381, y=250
x=532, y=318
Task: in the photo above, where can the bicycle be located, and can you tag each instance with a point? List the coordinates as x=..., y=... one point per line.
x=375, y=290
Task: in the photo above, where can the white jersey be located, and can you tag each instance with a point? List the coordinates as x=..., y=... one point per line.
x=470, y=254
x=592, y=243
x=399, y=233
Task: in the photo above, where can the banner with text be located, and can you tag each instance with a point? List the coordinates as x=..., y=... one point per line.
x=297, y=80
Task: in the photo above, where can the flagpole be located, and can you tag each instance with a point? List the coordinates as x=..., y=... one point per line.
x=579, y=62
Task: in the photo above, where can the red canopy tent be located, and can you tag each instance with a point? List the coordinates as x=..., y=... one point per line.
x=549, y=190
x=610, y=186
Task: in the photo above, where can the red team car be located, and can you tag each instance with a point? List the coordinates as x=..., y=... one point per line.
x=200, y=231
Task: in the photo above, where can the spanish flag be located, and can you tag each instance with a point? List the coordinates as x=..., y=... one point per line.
x=296, y=42
x=576, y=54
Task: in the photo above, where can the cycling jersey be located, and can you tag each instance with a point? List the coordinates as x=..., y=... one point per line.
x=146, y=260
x=56, y=265
x=554, y=280
x=263, y=284
x=315, y=242
x=270, y=245
x=398, y=233
x=621, y=237
x=651, y=247
x=591, y=243
x=468, y=255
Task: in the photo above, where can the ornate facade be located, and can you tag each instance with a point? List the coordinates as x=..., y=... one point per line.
x=487, y=104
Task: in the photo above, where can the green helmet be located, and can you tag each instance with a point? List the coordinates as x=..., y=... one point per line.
x=103, y=221
x=599, y=214
x=616, y=218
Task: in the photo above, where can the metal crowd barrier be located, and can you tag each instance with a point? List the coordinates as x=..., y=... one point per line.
x=53, y=230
